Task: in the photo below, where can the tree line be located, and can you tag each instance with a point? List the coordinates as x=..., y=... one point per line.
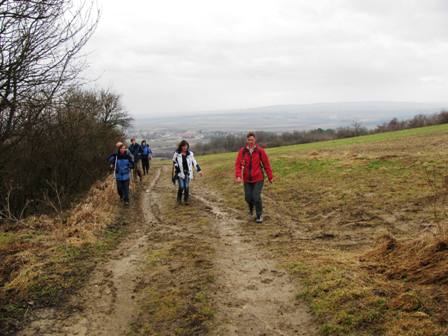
x=232, y=142
x=54, y=134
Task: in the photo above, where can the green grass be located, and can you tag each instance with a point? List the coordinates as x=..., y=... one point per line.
x=379, y=137
x=355, y=190
x=366, y=139
x=338, y=299
x=6, y=238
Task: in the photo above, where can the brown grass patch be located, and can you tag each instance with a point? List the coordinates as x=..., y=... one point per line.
x=420, y=261
x=44, y=258
x=415, y=272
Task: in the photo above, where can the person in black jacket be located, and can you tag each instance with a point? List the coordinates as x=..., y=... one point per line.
x=136, y=151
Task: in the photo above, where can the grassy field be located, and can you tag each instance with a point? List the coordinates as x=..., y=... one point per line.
x=361, y=224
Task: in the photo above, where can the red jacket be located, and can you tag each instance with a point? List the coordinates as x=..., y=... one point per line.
x=251, y=166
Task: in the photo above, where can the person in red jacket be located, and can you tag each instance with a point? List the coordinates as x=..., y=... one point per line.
x=249, y=166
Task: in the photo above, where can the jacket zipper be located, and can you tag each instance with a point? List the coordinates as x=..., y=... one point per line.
x=250, y=167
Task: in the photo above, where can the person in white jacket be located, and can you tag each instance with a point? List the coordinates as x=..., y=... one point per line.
x=184, y=165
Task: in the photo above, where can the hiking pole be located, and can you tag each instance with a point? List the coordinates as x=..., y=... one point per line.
x=172, y=174
x=131, y=185
x=115, y=172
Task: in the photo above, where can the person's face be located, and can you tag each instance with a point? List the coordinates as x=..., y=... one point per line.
x=133, y=141
x=184, y=148
x=251, y=141
x=122, y=150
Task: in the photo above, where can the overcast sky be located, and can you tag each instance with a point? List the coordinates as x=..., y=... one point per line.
x=178, y=56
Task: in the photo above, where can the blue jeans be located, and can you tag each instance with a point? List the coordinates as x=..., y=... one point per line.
x=184, y=183
x=183, y=189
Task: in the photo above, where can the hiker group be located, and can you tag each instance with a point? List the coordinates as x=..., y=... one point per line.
x=251, y=167
x=126, y=164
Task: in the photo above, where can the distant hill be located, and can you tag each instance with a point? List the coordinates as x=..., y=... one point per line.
x=289, y=117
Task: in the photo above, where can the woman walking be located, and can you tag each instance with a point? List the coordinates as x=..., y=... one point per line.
x=122, y=164
x=184, y=164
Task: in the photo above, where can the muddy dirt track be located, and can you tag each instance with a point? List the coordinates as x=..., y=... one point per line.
x=249, y=294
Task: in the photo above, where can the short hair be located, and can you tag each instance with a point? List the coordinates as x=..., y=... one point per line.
x=250, y=134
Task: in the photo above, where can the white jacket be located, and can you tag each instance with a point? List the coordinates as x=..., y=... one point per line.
x=191, y=162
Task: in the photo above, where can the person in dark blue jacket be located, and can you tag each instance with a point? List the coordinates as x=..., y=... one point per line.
x=122, y=164
x=136, y=151
x=146, y=156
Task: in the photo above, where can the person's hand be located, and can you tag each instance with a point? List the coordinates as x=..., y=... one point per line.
x=201, y=174
x=239, y=180
x=271, y=180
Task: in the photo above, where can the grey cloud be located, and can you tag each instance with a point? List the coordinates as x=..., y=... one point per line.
x=170, y=57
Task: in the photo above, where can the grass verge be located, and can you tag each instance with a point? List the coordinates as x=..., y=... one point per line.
x=46, y=259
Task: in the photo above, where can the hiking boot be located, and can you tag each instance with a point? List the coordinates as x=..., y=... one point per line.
x=179, y=197
x=187, y=197
x=251, y=212
x=259, y=219
x=126, y=203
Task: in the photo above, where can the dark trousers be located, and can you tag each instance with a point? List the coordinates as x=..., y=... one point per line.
x=137, y=170
x=145, y=164
x=252, y=194
x=123, y=190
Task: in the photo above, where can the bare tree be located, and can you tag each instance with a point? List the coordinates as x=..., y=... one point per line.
x=39, y=43
x=111, y=111
x=358, y=129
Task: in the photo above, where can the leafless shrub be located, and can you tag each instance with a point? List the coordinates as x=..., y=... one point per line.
x=8, y=211
x=39, y=43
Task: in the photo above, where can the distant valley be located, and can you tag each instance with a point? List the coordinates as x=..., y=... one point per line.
x=164, y=132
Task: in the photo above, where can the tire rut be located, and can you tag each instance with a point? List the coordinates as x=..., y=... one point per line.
x=252, y=296
x=108, y=302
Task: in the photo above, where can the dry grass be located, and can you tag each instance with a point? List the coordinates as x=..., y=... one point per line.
x=45, y=258
x=416, y=272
